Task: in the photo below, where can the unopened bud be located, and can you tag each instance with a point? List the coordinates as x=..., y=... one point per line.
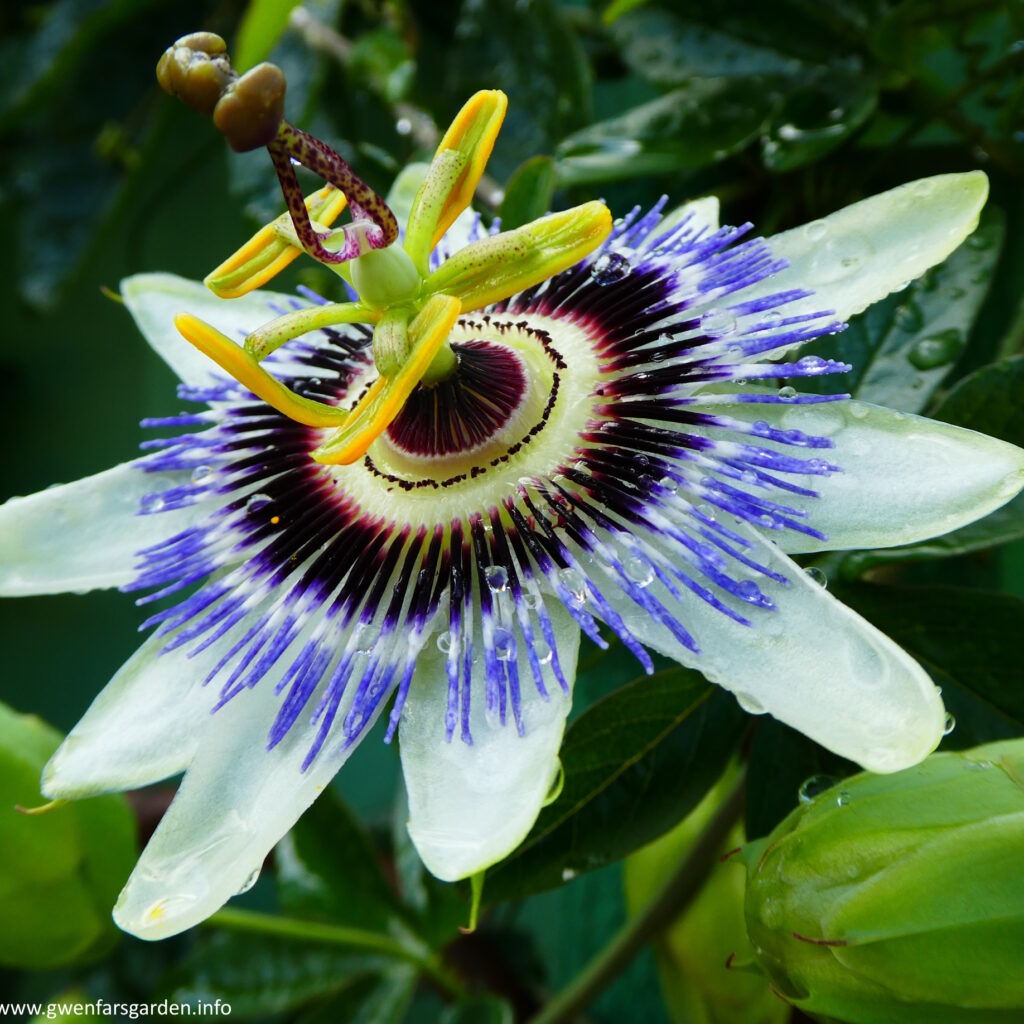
x=899, y=897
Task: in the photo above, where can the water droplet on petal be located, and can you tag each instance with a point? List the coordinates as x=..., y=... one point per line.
x=817, y=575
x=201, y=475
x=444, y=642
x=543, y=652
x=949, y=725
x=717, y=323
x=787, y=393
x=812, y=364
x=403, y=126
x=816, y=230
x=574, y=582
x=504, y=644
x=669, y=484
x=497, y=578
x=840, y=257
x=257, y=502
x=152, y=503
x=639, y=570
x=249, y=882
x=842, y=798
x=749, y=704
x=609, y=268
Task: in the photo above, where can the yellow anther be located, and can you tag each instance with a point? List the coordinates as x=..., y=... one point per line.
x=383, y=402
x=236, y=362
x=497, y=267
x=455, y=172
x=266, y=254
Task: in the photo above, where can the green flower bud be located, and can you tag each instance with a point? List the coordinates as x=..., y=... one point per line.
x=899, y=897
x=60, y=871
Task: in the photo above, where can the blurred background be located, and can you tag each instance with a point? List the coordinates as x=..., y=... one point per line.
x=785, y=111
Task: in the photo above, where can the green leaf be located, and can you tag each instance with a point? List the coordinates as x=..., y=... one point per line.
x=260, y=975
x=669, y=50
x=380, y=60
x=261, y=26
x=819, y=114
x=991, y=401
x=968, y=640
x=529, y=192
x=61, y=871
x=532, y=53
x=478, y=1010
x=327, y=870
x=635, y=763
x=904, y=347
x=380, y=999
x=701, y=123
x=32, y=68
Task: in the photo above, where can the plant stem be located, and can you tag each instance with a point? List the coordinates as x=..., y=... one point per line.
x=659, y=912
x=337, y=935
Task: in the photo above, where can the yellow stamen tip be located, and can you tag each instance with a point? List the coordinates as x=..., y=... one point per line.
x=473, y=132
x=385, y=398
x=237, y=363
x=266, y=254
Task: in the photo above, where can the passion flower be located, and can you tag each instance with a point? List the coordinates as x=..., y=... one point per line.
x=417, y=500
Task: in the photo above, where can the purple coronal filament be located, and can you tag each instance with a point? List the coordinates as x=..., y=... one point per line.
x=466, y=411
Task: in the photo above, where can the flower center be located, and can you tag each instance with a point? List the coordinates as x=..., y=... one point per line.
x=470, y=411
x=501, y=396
x=514, y=410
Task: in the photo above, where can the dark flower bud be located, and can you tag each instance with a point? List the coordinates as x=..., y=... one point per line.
x=251, y=109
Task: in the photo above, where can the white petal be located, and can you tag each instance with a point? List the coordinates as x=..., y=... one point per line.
x=904, y=478
x=236, y=801
x=812, y=663
x=860, y=254
x=143, y=726
x=86, y=534
x=154, y=299
x=470, y=806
